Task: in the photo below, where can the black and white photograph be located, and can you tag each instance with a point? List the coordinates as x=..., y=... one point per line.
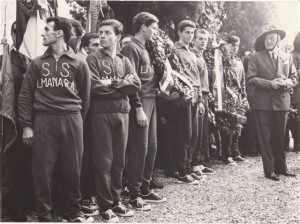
x=130, y=111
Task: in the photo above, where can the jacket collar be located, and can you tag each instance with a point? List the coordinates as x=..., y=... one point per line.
x=197, y=52
x=138, y=42
x=179, y=45
x=70, y=53
x=101, y=53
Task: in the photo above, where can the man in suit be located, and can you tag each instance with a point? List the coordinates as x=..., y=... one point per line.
x=272, y=73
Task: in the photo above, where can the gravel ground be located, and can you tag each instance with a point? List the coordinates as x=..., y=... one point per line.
x=235, y=194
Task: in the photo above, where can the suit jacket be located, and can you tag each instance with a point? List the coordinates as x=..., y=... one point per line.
x=261, y=72
x=296, y=58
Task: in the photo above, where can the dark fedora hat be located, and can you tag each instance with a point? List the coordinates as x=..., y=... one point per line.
x=259, y=43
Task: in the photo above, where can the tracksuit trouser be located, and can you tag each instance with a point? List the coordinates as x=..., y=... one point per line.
x=109, y=140
x=230, y=146
x=194, y=124
x=183, y=138
x=86, y=176
x=58, y=141
x=202, y=141
x=142, y=147
x=19, y=176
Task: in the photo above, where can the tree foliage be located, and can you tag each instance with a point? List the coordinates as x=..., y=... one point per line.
x=246, y=20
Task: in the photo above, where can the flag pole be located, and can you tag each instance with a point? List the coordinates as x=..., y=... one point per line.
x=2, y=131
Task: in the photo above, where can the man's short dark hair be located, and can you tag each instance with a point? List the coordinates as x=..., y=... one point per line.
x=61, y=23
x=85, y=41
x=233, y=40
x=77, y=27
x=117, y=25
x=143, y=18
x=186, y=23
x=125, y=36
x=201, y=31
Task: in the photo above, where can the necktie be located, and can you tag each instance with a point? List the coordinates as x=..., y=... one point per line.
x=274, y=59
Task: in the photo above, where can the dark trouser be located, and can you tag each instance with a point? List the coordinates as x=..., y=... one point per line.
x=58, y=140
x=202, y=142
x=230, y=146
x=195, y=135
x=298, y=124
x=86, y=176
x=109, y=140
x=215, y=140
x=19, y=175
x=270, y=127
x=168, y=136
x=142, y=147
x=183, y=138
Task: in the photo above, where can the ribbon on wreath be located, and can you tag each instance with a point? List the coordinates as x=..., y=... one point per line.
x=219, y=86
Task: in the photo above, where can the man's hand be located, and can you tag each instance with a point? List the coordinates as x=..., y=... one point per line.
x=141, y=117
x=173, y=96
x=201, y=109
x=28, y=136
x=275, y=84
x=105, y=82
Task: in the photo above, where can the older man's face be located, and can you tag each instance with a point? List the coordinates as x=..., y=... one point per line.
x=271, y=41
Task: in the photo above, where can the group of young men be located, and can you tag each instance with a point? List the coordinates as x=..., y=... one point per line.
x=91, y=111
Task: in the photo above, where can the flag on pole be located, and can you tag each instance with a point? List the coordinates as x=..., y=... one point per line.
x=31, y=20
x=7, y=110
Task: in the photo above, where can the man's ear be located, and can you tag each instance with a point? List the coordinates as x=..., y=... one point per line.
x=118, y=37
x=86, y=49
x=143, y=27
x=60, y=33
x=179, y=33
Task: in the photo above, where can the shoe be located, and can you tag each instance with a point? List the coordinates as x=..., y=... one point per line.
x=207, y=171
x=151, y=197
x=154, y=184
x=139, y=204
x=286, y=173
x=239, y=159
x=272, y=176
x=89, y=212
x=125, y=193
x=196, y=175
x=121, y=210
x=81, y=218
x=109, y=216
x=229, y=160
x=187, y=179
x=90, y=203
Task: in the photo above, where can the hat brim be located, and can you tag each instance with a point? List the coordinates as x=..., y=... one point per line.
x=259, y=43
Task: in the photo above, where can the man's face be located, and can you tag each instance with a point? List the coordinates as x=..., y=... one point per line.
x=187, y=34
x=150, y=31
x=73, y=41
x=49, y=34
x=108, y=38
x=125, y=41
x=234, y=48
x=201, y=41
x=94, y=45
x=271, y=41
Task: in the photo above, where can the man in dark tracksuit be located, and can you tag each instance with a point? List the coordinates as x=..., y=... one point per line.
x=53, y=102
x=187, y=114
x=200, y=41
x=18, y=163
x=112, y=79
x=142, y=144
x=90, y=43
